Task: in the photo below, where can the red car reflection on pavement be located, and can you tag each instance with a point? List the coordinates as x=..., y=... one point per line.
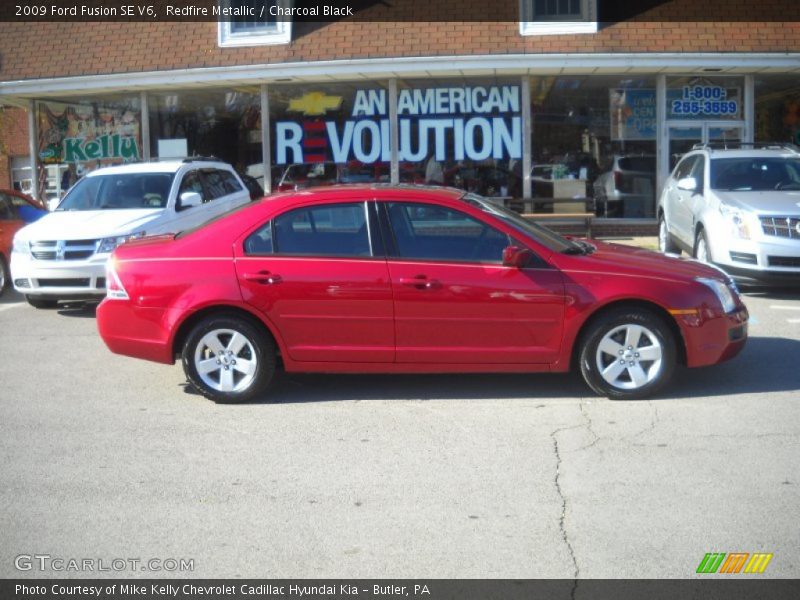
x=378, y=279
x=16, y=211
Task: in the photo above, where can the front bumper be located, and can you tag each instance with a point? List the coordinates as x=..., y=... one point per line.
x=767, y=260
x=712, y=337
x=59, y=278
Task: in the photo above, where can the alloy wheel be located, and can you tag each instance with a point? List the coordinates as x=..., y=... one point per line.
x=226, y=360
x=629, y=357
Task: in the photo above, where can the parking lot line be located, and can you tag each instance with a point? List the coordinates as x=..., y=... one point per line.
x=13, y=305
x=781, y=307
x=793, y=320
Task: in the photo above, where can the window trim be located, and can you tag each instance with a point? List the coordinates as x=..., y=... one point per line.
x=282, y=33
x=527, y=26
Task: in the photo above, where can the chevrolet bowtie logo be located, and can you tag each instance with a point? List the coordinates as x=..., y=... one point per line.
x=315, y=103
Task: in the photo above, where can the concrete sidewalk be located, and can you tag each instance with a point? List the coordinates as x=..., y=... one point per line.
x=649, y=242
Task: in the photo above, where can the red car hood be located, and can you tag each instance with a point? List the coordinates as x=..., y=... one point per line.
x=616, y=258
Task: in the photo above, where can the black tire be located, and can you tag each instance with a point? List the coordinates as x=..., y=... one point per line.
x=41, y=302
x=702, y=251
x=656, y=339
x=5, y=276
x=241, y=385
x=665, y=242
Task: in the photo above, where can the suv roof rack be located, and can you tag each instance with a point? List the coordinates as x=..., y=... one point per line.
x=754, y=145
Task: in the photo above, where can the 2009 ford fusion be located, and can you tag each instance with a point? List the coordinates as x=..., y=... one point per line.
x=374, y=279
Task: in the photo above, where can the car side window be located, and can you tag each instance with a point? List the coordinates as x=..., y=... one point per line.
x=220, y=183
x=260, y=241
x=193, y=182
x=430, y=232
x=684, y=167
x=328, y=230
x=698, y=172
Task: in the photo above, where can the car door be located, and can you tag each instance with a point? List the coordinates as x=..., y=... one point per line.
x=178, y=218
x=454, y=300
x=679, y=202
x=319, y=274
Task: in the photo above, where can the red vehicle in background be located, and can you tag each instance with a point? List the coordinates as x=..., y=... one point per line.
x=16, y=211
x=409, y=279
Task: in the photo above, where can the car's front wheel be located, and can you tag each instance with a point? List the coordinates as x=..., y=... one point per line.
x=41, y=302
x=665, y=241
x=228, y=359
x=701, y=249
x=628, y=354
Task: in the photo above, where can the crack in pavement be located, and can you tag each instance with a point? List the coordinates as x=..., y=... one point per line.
x=563, y=517
x=589, y=427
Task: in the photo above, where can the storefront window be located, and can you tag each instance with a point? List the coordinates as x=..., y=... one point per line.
x=594, y=137
x=224, y=123
x=323, y=134
x=464, y=133
x=777, y=109
x=76, y=136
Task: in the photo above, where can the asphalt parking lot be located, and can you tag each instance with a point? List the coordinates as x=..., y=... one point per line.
x=472, y=476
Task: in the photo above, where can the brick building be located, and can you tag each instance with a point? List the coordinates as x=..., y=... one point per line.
x=516, y=98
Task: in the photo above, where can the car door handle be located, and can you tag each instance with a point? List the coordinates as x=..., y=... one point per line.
x=264, y=277
x=421, y=282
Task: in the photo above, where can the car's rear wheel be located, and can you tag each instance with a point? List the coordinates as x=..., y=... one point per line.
x=628, y=354
x=41, y=302
x=665, y=241
x=4, y=275
x=701, y=250
x=228, y=359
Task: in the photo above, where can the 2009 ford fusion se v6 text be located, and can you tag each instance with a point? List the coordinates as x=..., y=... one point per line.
x=379, y=279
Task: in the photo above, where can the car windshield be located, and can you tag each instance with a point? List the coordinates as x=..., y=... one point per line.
x=119, y=191
x=749, y=174
x=544, y=236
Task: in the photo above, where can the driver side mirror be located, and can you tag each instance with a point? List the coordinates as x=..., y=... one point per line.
x=688, y=184
x=189, y=199
x=514, y=256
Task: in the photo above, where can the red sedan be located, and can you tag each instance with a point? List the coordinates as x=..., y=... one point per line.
x=410, y=280
x=16, y=211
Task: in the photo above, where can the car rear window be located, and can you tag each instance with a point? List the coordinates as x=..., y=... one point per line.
x=638, y=163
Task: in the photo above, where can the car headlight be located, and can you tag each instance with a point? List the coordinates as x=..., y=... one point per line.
x=722, y=291
x=108, y=244
x=20, y=246
x=737, y=220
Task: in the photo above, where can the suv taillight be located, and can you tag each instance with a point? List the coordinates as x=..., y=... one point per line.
x=618, y=180
x=114, y=287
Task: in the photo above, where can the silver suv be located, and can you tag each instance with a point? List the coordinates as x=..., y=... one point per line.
x=737, y=208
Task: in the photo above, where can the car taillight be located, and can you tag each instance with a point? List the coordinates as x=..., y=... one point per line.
x=618, y=180
x=114, y=287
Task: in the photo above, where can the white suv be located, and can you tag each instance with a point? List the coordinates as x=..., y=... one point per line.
x=63, y=255
x=736, y=208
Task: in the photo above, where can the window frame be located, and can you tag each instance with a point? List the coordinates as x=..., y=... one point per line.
x=281, y=33
x=529, y=25
x=374, y=241
x=393, y=250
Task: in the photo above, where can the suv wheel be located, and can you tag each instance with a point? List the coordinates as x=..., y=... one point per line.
x=701, y=249
x=665, y=241
x=628, y=354
x=41, y=302
x=228, y=359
